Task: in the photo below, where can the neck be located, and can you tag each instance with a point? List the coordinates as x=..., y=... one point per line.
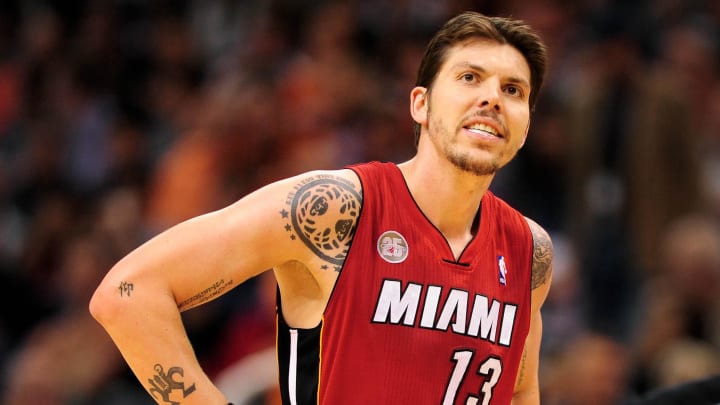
x=448, y=196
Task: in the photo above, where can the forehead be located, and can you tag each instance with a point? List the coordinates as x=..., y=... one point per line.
x=503, y=59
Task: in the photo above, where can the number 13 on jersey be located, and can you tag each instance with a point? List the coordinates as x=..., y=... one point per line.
x=491, y=369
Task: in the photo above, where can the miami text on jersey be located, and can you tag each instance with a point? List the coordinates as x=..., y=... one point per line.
x=492, y=321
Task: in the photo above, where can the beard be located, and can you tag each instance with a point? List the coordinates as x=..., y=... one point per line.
x=462, y=159
x=465, y=162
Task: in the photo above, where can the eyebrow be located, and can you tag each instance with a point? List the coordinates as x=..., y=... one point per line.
x=478, y=68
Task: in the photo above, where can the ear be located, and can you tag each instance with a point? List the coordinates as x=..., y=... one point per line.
x=419, y=104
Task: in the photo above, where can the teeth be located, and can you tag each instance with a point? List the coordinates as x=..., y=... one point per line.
x=483, y=128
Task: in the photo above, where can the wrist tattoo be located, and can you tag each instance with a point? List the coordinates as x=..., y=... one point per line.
x=168, y=387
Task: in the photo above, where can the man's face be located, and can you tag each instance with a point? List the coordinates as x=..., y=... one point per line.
x=477, y=113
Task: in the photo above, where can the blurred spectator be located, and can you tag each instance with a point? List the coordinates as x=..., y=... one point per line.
x=591, y=371
x=681, y=302
x=685, y=361
x=599, y=105
x=664, y=175
x=709, y=154
x=69, y=358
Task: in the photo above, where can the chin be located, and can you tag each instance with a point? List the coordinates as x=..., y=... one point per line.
x=474, y=166
x=479, y=161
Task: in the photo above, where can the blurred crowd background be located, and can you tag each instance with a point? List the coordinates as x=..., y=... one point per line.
x=120, y=118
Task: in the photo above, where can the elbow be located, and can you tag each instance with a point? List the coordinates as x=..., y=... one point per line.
x=101, y=305
x=112, y=299
x=115, y=303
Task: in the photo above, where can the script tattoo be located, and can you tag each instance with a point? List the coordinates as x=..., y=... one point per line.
x=521, y=370
x=206, y=295
x=125, y=288
x=323, y=213
x=163, y=385
x=542, y=255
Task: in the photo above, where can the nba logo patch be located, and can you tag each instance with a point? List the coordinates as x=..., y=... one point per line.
x=502, y=270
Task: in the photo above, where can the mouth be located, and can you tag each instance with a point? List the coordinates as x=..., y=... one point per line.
x=484, y=129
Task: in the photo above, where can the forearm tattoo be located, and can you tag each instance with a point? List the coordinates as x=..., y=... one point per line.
x=322, y=211
x=542, y=255
x=168, y=388
x=206, y=295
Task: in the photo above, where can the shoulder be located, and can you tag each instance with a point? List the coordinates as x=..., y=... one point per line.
x=542, y=254
x=320, y=183
x=345, y=177
x=321, y=211
x=326, y=185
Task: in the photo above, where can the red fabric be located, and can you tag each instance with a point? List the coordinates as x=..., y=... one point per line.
x=367, y=357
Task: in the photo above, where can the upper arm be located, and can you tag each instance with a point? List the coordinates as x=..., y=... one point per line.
x=541, y=263
x=202, y=258
x=527, y=385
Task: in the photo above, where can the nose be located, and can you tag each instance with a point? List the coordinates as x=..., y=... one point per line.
x=490, y=94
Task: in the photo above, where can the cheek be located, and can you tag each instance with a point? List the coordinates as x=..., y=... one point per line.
x=521, y=123
x=446, y=101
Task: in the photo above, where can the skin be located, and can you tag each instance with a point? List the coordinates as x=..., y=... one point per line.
x=200, y=259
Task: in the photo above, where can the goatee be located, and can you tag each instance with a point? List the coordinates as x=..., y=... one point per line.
x=465, y=163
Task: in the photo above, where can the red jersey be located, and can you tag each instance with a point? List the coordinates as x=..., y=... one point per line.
x=407, y=323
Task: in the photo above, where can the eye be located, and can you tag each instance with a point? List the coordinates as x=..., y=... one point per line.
x=514, y=91
x=467, y=77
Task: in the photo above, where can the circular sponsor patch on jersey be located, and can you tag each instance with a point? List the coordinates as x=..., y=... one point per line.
x=392, y=247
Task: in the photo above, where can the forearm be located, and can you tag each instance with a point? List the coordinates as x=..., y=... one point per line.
x=148, y=330
x=527, y=397
x=527, y=386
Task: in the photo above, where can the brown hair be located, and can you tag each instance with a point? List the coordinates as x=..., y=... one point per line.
x=471, y=24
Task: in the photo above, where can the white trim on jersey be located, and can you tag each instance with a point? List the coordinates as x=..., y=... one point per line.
x=292, y=367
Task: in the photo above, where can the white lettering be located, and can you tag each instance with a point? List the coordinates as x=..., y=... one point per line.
x=508, y=323
x=455, y=307
x=399, y=307
x=483, y=322
x=431, y=304
x=396, y=304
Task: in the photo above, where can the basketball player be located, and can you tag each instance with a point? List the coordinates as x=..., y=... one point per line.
x=398, y=284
